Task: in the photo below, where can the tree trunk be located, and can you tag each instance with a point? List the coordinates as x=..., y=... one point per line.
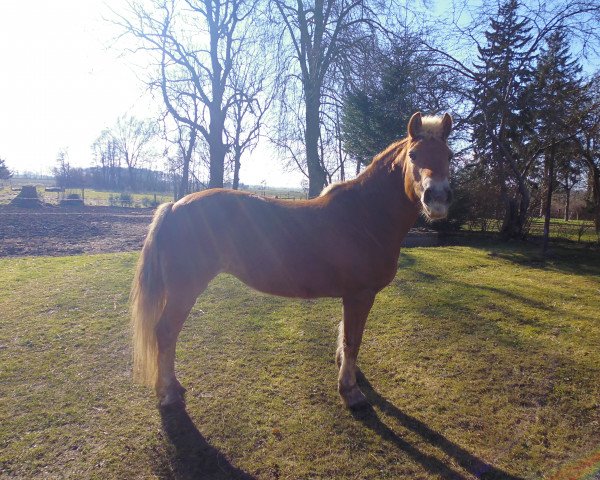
x=510, y=225
x=594, y=181
x=567, y=204
x=184, y=189
x=131, y=178
x=549, y=182
x=316, y=174
x=517, y=211
x=510, y=207
x=185, y=178
x=596, y=198
x=216, y=148
x=543, y=190
x=523, y=209
x=236, y=170
x=217, y=165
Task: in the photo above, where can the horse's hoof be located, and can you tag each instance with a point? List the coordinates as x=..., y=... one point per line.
x=353, y=398
x=169, y=401
x=172, y=397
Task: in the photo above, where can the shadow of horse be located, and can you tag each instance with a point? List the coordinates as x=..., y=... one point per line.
x=469, y=462
x=189, y=455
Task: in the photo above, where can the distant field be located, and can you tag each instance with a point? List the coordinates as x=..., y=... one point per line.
x=480, y=362
x=100, y=197
x=91, y=197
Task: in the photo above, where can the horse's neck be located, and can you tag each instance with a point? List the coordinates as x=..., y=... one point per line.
x=383, y=189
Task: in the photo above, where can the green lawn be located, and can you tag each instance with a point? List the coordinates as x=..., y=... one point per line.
x=573, y=230
x=478, y=361
x=581, y=231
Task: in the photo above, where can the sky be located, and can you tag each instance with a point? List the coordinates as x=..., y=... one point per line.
x=63, y=80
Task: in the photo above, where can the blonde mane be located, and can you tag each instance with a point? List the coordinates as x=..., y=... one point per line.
x=432, y=127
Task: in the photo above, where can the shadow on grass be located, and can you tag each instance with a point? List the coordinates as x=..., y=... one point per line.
x=475, y=466
x=189, y=455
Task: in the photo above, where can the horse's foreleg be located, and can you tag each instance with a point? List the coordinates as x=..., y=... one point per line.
x=356, y=311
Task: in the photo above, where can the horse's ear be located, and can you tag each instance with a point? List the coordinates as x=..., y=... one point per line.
x=446, y=125
x=415, y=125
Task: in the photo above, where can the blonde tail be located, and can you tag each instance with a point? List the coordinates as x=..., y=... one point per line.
x=147, y=301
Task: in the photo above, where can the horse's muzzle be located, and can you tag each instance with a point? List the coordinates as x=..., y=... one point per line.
x=436, y=200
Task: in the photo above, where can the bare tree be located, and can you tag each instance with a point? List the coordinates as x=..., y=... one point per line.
x=319, y=35
x=251, y=100
x=183, y=135
x=133, y=140
x=184, y=139
x=196, y=45
x=63, y=171
x=108, y=159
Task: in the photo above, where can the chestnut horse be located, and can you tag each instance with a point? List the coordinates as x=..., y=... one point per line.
x=344, y=243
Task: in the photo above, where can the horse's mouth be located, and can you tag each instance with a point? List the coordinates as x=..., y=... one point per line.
x=435, y=211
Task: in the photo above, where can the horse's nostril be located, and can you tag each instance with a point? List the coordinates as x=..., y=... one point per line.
x=427, y=195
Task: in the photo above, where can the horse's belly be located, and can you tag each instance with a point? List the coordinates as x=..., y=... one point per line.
x=311, y=278
x=305, y=279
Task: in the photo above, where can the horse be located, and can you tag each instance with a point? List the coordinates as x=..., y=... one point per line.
x=344, y=243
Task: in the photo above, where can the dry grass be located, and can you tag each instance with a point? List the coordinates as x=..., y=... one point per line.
x=478, y=362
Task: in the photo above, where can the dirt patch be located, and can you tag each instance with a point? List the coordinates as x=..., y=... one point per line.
x=70, y=231
x=56, y=231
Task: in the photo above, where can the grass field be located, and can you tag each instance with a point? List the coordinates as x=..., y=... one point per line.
x=479, y=362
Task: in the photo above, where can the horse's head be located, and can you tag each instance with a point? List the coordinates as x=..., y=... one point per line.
x=428, y=164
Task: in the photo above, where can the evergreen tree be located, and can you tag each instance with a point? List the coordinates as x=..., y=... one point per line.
x=396, y=82
x=377, y=113
x=501, y=118
x=505, y=68
x=588, y=146
x=559, y=90
x=559, y=97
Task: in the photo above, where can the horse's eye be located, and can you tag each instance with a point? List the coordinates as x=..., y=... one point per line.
x=411, y=154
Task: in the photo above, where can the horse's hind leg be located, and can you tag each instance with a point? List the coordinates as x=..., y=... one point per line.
x=177, y=308
x=356, y=311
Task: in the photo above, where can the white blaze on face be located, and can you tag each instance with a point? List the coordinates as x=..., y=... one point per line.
x=436, y=208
